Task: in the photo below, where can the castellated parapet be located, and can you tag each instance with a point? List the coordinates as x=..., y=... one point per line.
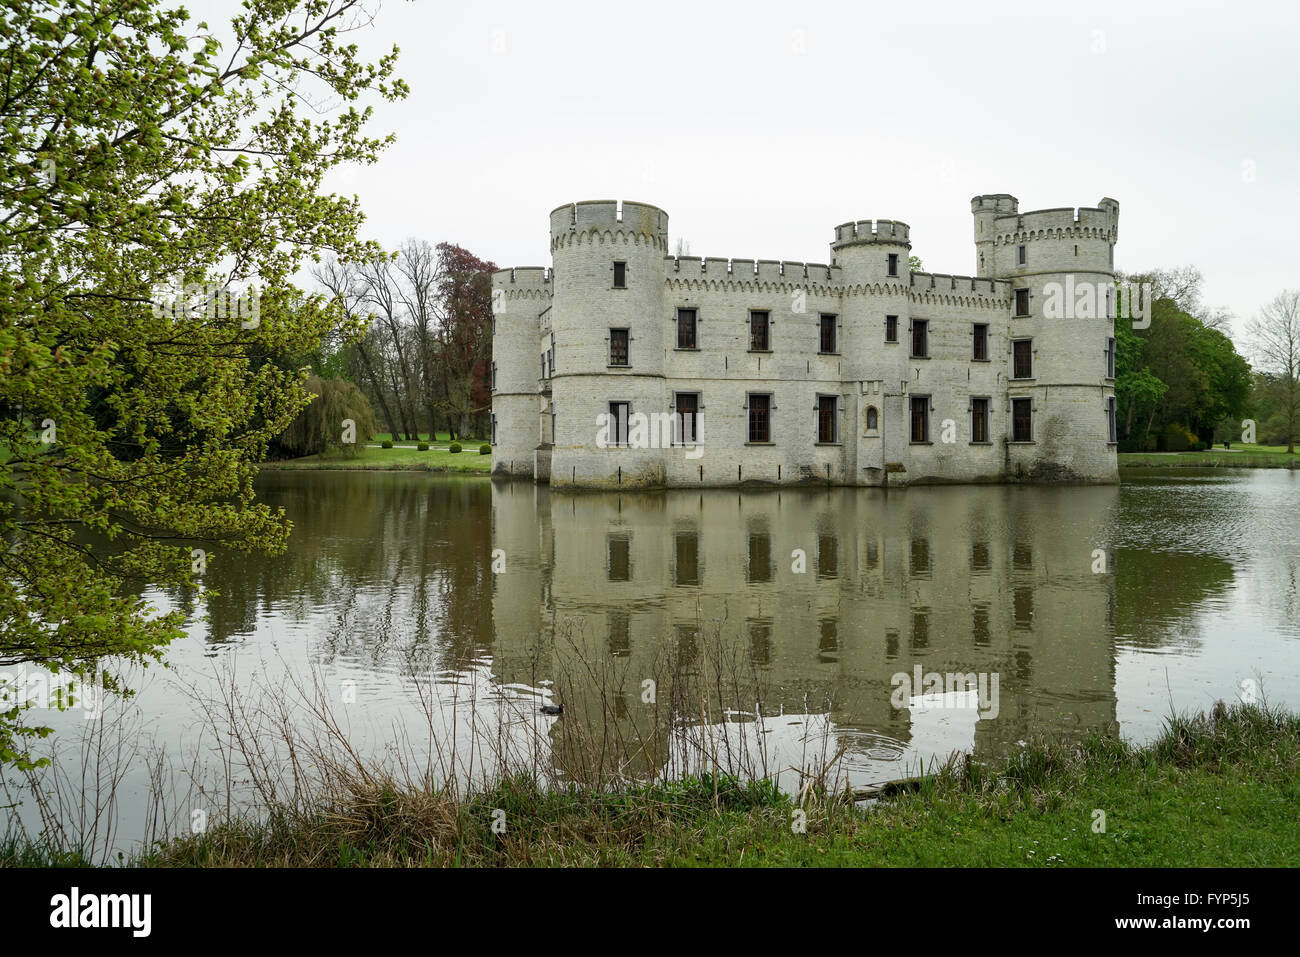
x=622, y=366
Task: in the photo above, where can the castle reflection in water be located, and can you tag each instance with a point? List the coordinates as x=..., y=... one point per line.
x=995, y=580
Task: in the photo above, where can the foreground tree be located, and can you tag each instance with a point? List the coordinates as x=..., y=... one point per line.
x=1275, y=339
x=159, y=192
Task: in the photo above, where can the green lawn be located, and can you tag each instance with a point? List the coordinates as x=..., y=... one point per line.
x=1212, y=791
x=398, y=458
x=1239, y=456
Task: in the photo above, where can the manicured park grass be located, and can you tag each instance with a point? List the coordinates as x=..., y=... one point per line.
x=1238, y=456
x=403, y=456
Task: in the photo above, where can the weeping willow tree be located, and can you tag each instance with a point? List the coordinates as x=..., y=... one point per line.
x=337, y=420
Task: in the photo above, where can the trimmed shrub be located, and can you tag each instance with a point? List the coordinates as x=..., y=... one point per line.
x=423, y=447
x=387, y=443
x=485, y=449
x=454, y=447
x=1175, y=438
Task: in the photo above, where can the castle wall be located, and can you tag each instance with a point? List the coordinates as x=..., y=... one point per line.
x=1068, y=388
x=519, y=297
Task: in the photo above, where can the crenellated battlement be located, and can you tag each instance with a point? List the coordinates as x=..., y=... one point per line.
x=522, y=276
x=937, y=282
x=872, y=231
x=1101, y=221
x=607, y=215
x=767, y=271
x=998, y=203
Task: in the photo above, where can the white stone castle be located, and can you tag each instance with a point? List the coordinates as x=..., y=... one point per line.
x=625, y=366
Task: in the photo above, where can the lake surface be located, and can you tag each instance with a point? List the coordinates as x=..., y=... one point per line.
x=778, y=622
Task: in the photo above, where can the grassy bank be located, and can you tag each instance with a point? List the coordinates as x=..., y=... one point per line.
x=1238, y=457
x=1220, y=790
x=399, y=458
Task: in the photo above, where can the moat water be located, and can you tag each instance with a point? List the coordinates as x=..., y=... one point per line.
x=1076, y=608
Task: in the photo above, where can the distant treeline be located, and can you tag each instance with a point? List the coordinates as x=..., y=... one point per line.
x=417, y=345
x=1181, y=382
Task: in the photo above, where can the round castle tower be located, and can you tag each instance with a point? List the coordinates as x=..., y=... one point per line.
x=864, y=251
x=609, y=276
x=1062, y=270
x=520, y=298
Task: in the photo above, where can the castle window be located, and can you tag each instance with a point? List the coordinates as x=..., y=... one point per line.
x=620, y=275
x=828, y=330
x=1110, y=420
x=828, y=556
x=620, y=633
x=1022, y=359
x=1022, y=302
x=892, y=264
x=619, y=566
x=618, y=416
x=494, y=430
x=920, y=339
x=979, y=349
x=618, y=347
x=686, y=329
x=760, y=417
x=1022, y=256
x=920, y=419
x=891, y=328
x=687, y=564
x=760, y=329
x=979, y=420
x=760, y=642
x=1110, y=358
x=980, y=631
x=873, y=419
x=920, y=557
x=494, y=375
x=760, y=558
x=828, y=418
x=1022, y=419
x=687, y=409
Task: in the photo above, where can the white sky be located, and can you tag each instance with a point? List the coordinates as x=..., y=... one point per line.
x=760, y=126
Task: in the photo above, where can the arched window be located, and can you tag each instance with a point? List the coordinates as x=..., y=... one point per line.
x=872, y=419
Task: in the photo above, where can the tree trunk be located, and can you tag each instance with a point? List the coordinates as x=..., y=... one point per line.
x=369, y=368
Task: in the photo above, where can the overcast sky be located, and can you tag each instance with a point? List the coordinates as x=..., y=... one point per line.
x=758, y=127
